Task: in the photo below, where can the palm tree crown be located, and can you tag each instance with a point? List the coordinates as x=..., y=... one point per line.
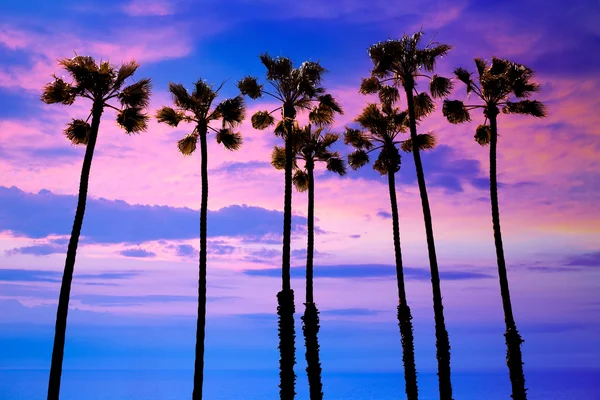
x=197, y=108
x=295, y=88
x=100, y=83
x=310, y=145
x=496, y=83
x=402, y=62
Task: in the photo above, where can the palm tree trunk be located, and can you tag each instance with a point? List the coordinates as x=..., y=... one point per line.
x=60, y=329
x=201, y=323
x=404, y=315
x=441, y=334
x=514, y=357
x=311, y=313
x=285, y=298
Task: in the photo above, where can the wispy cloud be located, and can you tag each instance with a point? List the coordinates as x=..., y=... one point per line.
x=368, y=271
x=107, y=221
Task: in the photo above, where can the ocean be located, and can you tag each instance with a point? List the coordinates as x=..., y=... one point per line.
x=253, y=385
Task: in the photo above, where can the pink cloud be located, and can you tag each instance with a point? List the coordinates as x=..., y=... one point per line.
x=146, y=46
x=139, y=8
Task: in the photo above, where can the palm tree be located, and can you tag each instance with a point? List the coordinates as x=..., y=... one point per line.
x=497, y=82
x=98, y=83
x=381, y=126
x=295, y=89
x=403, y=62
x=196, y=108
x=312, y=146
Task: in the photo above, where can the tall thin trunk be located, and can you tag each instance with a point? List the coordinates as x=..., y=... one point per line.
x=514, y=357
x=404, y=314
x=285, y=297
x=311, y=313
x=441, y=334
x=201, y=323
x=60, y=329
x=310, y=246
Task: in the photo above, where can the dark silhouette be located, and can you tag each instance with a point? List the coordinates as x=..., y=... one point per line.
x=382, y=124
x=295, y=89
x=196, y=109
x=311, y=146
x=402, y=62
x=496, y=83
x=98, y=83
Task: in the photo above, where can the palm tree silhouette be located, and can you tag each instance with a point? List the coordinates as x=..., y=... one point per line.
x=196, y=108
x=295, y=89
x=403, y=62
x=311, y=146
x=99, y=83
x=497, y=82
x=381, y=126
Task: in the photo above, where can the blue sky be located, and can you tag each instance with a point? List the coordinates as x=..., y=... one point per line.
x=133, y=301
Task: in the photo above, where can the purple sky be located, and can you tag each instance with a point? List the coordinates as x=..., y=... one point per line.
x=133, y=299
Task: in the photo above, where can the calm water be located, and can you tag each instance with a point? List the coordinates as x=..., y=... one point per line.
x=176, y=385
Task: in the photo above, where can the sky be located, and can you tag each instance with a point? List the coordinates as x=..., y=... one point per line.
x=133, y=299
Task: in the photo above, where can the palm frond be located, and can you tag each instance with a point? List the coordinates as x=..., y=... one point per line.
x=262, y=120
x=321, y=116
x=249, y=86
x=181, y=97
x=229, y=139
x=277, y=68
x=388, y=94
x=483, y=135
x=423, y=105
x=279, y=129
x=203, y=93
x=83, y=70
x=336, y=165
x=380, y=164
x=132, y=120
x=136, y=95
x=499, y=66
x=430, y=55
x=425, y=141
x=400, y=120
x=169, y=116
x=369, y=85
x=463, y=75
x=58, y=91
x=327, y=101
x=528, y=107
x=78, y=131
x=358, y=159
x=232, y=111
x=455, y=111
x=187, y=145
x=278, y=157
x=357, y=139
x=126, y=70
x=311, y=73
x=329, y=139
x=371, y=118
x=481, y=65
x=300, y=180
x=522, y=88
x=440, y=86
x=383, y=55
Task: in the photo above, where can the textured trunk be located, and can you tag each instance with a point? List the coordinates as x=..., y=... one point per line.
x=285, y=298
x=201, y=323
x=311, y=314
x=404, y=315
x=441, y=334
x=514, y=358
x=65, y=287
